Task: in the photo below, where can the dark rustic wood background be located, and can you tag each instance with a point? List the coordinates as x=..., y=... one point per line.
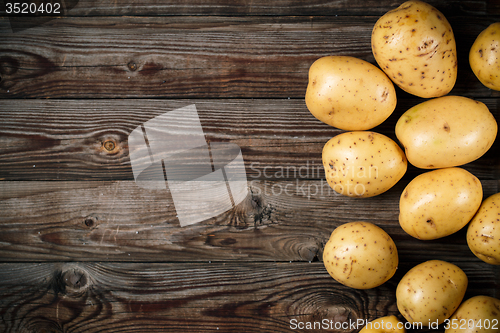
x=83, y=249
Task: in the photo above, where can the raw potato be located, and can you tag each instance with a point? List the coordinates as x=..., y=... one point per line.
x=430, y=292
x=446, y=131
x=363, y=164
x=438, y=203
x=483, y=234
x=479, y=314
x=414, y=45
x=349, y=93
x=388, y=324
x=484, y=57
x=360, y=255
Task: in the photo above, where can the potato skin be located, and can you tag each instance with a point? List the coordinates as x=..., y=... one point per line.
x=360, y=255
x=431, y=291
x=438, y=203
x=484, y=56
x=362, y=163
x=387, y=324
x=446, y=132
x=483, y=233
x=415, y=46
x=479, y=309
x=349, y=93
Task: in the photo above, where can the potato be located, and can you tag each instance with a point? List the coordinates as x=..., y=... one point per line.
x=483, y=233
x=438, y=203
x=362, y=164
x=414, y=45
x=349, y=93
x=360, y=255
x=446, y=131
x=476, y=315
x=430, y=292
x=388, y=324
x=484, y=56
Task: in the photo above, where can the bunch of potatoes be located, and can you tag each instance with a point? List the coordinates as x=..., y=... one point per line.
x=415, y=49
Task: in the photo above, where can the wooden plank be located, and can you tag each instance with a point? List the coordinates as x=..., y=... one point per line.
x=119, y=221
x=194, y=297
x=87, y=139
x=84, y=249
x=261, y=7
x=195, y=56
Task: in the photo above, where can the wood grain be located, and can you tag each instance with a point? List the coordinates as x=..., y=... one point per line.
x=118, y=221
x=87, y=139
x=192, y=297
x=195, y=56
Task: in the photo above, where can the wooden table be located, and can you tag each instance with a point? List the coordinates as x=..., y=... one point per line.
x=84, y=249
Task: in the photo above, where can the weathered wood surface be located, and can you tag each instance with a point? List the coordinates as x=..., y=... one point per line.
x=195, y=56
x=193, y=297
x=87, y=139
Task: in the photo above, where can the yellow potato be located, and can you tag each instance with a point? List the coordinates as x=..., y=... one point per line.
x=360, y=255
x=430, y=292
x=483, y=234
x=446, y=131
x=438, y=203
x=363, y=164
x=484, y=57
x=388, y=324
x=414, y=45
x=479, y=314
x=349, y=93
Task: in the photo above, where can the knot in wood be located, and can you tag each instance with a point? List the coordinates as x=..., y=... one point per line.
x=8, y=65
x=45, y=325
x=309, y=252
x=90, y=221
